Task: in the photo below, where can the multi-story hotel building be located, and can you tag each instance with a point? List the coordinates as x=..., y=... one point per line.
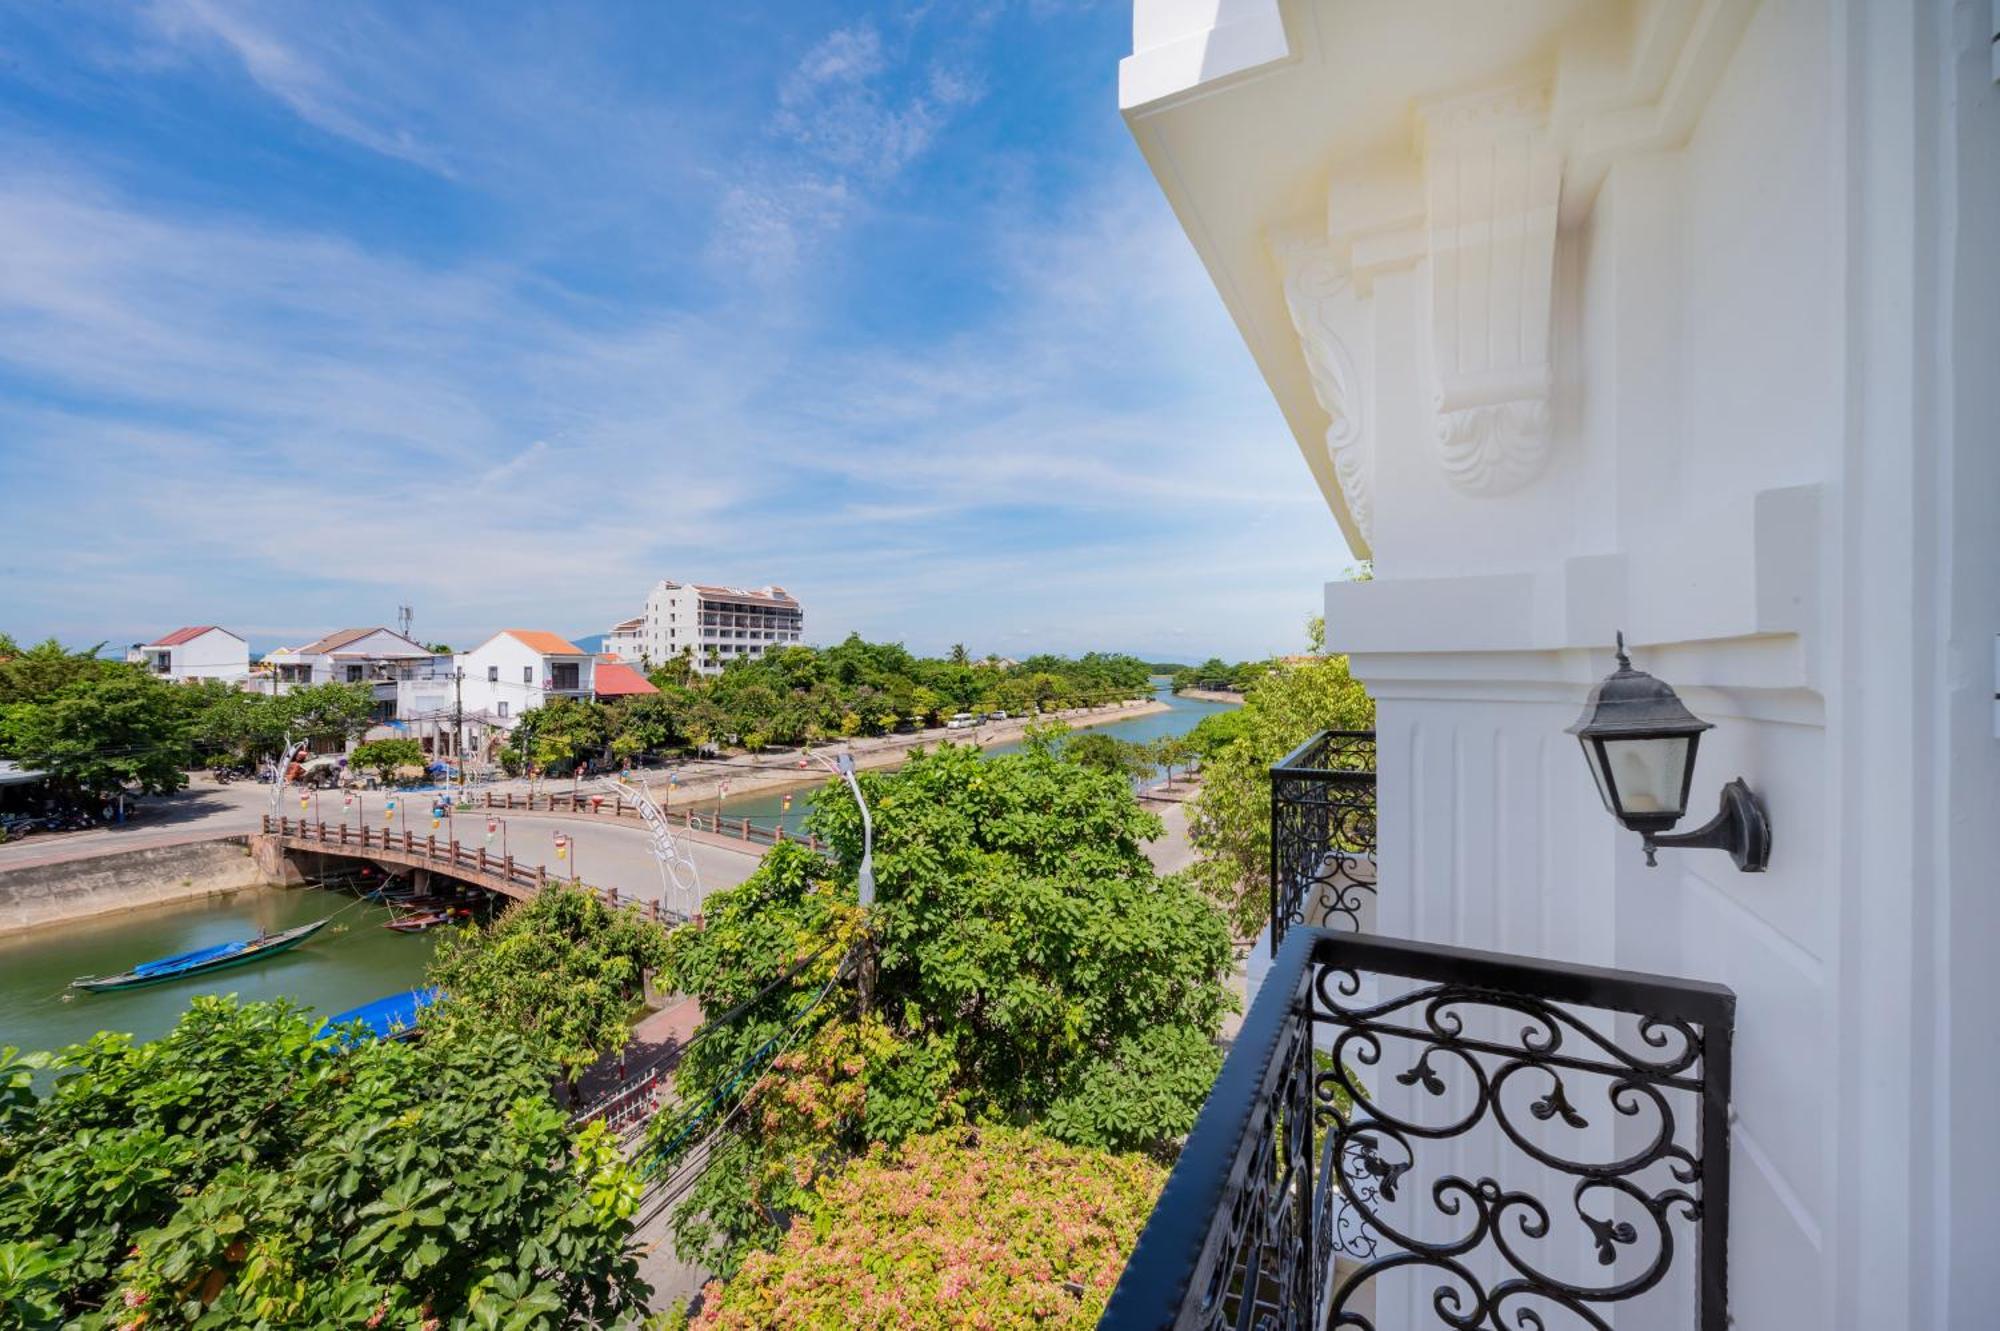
x=711, y=625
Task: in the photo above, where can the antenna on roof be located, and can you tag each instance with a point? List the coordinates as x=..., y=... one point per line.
x=404, y=617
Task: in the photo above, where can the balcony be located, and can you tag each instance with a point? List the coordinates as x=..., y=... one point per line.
x=1410, y=1135
x=1323, y=834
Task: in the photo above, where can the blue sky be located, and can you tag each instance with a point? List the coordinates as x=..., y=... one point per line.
x=505, y=311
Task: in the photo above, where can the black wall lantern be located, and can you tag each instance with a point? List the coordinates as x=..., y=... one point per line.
x=1640, y=742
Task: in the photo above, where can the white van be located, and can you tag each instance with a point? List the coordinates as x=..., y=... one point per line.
x=962, y=721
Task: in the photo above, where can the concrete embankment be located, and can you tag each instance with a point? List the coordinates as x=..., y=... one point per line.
x=1210, y=695
x=33, y=895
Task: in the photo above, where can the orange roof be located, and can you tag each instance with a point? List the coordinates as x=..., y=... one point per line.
x=615, y=679
x=548, y=644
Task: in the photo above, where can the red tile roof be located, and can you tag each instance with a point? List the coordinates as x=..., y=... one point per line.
x=618, y=680
x=179, y=636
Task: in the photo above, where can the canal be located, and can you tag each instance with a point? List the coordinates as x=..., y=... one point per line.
x=790, y=808
x=350, y=962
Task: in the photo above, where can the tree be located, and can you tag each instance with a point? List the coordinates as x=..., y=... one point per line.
x=244, y=1171
x=1230, y=821
x=34, y=674
x=958, y=654
x=562, y=733
x=563, y=970
x=1004, y=1225
x=102, y=732
x=325, y=713
x=1030, y=967
x=1107, y=753
x=384, y=756
x=1171, y=751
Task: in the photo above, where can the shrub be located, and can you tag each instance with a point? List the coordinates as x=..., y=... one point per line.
x=995, y=1228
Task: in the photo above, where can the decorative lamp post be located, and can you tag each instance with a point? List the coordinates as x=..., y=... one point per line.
x=1640, y=741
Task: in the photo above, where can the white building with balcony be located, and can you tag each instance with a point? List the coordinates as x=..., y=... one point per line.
x=710, y=625
x=201, y=651
x=1681, y=318
x=517, y=670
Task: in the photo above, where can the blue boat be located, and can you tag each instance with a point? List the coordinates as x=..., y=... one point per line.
x=202, y=960
x=391, y=1018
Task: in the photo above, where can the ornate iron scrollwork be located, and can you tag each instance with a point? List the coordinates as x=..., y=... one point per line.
x=1323, y=833
x=1495, y=1143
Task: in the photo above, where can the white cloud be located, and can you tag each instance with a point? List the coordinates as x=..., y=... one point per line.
x=313, y=91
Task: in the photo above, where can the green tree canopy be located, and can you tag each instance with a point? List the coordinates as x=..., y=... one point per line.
x=564, y=971
x=1030, y=967
x=1005, y=1226
x=1230, y=820
x=242, y=1172
x=35, y=674
x=101, y=732
x=384, y=756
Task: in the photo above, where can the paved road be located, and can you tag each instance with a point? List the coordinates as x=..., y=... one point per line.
x=605, y=854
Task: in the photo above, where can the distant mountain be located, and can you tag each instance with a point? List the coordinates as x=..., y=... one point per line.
x=590, y=642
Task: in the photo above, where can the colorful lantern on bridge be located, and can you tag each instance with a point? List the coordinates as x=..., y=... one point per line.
x=492, y=826
x=562, y=846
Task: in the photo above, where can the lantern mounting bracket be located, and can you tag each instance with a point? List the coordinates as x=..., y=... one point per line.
x=1740, y=827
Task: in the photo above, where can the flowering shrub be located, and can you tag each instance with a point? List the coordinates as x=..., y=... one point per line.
x=994, y=1228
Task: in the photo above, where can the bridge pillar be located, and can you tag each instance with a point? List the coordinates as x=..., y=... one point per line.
x=274, y=862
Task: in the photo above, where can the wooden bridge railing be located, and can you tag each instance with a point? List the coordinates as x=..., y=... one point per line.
x=476, y=865
x=603, y=806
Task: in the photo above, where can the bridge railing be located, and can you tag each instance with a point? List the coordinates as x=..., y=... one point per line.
x=606, y=806
x=475, y=864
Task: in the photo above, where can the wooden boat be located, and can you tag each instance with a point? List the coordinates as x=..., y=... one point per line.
x=417, y=923
x=202, y=960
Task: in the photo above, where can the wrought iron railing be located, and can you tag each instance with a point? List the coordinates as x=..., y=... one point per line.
x=1323, y=833
x=1410, y=1135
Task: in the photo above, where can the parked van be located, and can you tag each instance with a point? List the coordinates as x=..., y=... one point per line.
x=962, y=721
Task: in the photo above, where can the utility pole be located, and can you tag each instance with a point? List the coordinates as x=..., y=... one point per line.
x=458, y=724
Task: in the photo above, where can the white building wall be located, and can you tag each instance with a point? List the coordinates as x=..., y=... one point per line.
x=503, y=675
x=1773, y=463
x=214, y=655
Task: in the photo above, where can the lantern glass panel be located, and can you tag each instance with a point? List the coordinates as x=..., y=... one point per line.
x=1595, y=757
x=1649, y=776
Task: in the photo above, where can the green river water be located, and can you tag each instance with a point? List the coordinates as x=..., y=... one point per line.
x=352, y=961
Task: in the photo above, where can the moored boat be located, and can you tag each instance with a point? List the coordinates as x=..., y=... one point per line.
x=391, y=1018
x=418, y=922
x=221, y=956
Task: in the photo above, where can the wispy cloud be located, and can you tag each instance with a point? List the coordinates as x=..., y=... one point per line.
x=312, y=90
x=294, y=420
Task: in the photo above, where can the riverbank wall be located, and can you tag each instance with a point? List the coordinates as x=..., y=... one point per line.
x=1210, y=695
x=35, y=895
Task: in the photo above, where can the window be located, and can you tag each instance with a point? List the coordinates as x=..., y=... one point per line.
x=492, y=674
x=503, y=706
x=354, y=674
x=527, y=674
x=566, y=675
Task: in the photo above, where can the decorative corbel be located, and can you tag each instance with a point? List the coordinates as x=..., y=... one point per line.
x=1492, y=185
x=1331, y=321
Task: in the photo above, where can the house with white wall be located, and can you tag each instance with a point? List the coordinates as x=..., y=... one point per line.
x=1679, y=318
x=516, y=670
x=201, y=651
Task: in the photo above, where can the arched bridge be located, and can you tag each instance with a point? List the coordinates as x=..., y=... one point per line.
x=495, y=873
